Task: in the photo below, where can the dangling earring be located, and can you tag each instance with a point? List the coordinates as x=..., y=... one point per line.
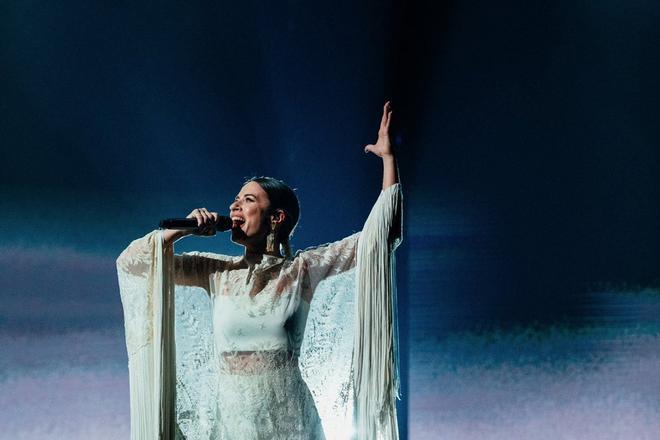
x=270, y=239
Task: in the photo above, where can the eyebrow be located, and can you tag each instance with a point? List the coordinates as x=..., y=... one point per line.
x=245, y=195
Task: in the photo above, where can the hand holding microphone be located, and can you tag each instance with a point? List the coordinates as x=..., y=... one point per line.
x=200, y=221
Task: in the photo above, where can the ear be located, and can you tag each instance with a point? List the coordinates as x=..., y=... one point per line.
x=278, y=216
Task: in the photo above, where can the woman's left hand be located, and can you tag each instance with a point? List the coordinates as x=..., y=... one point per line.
x=383, y=146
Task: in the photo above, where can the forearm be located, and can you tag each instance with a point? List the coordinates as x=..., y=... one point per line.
x=390, y=171
x=172, y=235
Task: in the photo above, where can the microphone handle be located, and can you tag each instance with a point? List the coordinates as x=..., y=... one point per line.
x=190, y=224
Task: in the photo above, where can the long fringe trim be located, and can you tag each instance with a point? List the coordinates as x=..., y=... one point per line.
x=375, y=357
x=152, y=371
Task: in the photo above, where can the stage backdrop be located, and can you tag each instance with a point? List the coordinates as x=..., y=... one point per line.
x=527, y=138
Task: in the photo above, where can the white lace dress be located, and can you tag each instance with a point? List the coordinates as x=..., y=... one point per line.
x=278, y=349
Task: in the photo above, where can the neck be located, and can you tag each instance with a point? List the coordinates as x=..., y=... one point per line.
x=253, y=253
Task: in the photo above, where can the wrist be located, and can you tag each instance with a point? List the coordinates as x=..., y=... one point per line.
x=184, y=233
x=388, y=157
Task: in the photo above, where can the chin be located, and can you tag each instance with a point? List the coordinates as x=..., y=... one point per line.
x=238, y=237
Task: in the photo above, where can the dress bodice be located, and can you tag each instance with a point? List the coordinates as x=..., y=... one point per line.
x=263, y=305
x=253, y=305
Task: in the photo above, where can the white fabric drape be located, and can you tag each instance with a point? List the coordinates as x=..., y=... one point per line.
x=356, y=374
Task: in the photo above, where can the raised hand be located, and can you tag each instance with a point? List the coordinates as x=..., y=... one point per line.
x=383, y=146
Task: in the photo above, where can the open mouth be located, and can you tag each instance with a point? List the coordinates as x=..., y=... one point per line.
x=236, y=222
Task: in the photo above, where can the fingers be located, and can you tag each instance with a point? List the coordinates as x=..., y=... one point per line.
x=387, y=117
x=209, y=220
x=383, y=119
x=206, y=220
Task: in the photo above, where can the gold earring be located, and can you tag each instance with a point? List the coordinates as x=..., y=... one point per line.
x=270, y=239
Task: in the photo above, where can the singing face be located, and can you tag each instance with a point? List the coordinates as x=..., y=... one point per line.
x=249, y=214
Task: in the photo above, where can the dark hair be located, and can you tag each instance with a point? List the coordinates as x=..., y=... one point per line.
x=282, y=197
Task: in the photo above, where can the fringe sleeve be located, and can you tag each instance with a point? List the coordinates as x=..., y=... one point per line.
x=375, y=363
x=145, y=274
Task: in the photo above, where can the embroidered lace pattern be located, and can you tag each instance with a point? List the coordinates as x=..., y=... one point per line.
x=267, y=400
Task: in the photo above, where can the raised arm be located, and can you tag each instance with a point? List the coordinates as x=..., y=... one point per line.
x=382, y=224
x=375, y=366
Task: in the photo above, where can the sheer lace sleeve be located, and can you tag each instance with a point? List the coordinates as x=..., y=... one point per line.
x=383, y=223
x=190, y=268
x=321, y=262
x=135, y=267
x=138, y=257
x=194, y=268
x=349, y=341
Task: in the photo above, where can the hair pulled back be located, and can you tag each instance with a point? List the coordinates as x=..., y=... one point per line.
x=281, y=196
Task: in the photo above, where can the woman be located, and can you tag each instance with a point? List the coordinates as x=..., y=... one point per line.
x=260, y=310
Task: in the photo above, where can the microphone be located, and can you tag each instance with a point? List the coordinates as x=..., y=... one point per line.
x=190, y=224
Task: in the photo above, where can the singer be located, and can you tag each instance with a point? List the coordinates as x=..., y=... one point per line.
x=303, y=345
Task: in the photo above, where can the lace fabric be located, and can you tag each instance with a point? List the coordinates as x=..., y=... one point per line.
x=272, y=402
x=326, y=353
x=263, y=349
x=257, y=393
x=256, y=362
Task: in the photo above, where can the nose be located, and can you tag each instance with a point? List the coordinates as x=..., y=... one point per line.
x=234, y=206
